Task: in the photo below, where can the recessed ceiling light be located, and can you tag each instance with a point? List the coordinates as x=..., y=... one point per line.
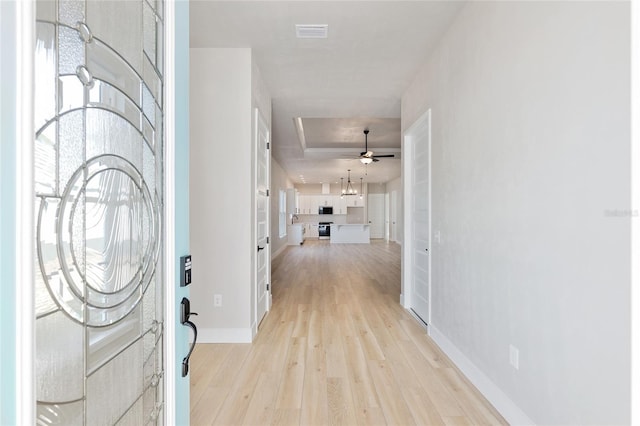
x=312, y=31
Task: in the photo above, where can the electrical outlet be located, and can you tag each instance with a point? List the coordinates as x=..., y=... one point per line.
x=514, y=357
x=436, y=237
x=217, y=300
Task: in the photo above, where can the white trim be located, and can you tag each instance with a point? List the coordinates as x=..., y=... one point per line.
x=635, y=207
x=407, y=189
x=170, y=216
x=258, y=121
x=254, y=328
x=505, y=406
x=225, y=335
x=25, y=308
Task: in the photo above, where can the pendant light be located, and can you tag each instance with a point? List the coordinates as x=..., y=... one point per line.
x=348, y=190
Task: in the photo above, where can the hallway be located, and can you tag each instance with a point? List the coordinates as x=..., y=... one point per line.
x=336, y=348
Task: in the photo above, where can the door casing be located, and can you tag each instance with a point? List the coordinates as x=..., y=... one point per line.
x=262, y=299
x=409, y=140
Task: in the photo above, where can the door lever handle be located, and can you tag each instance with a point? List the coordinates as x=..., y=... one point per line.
x=185, y=314
x=185, y=360
x=260, y=248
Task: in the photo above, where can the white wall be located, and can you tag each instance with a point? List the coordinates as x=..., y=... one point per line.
x=376, y=188
x=223, y=91
x=279, y=181
x=530, y=147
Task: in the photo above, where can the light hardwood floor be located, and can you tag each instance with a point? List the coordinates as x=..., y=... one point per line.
x=336, y=348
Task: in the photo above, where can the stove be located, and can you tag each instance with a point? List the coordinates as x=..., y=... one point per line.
x=324, y=230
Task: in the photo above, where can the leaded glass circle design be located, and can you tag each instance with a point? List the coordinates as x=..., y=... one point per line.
x=108, y=207
x=98, y=150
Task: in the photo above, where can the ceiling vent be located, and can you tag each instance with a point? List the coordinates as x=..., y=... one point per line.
x=312, y=31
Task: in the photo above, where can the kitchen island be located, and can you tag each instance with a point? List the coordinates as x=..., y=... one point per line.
x=350, y=233
x=295, y=234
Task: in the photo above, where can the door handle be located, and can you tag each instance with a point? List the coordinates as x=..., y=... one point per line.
x=185, y=314
x=260, y=248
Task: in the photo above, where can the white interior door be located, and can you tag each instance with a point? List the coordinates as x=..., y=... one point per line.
x=262, y=218
x=99, y=170
x=386, y=216
x=418, y=190
x=393, y=216
x=375, y=203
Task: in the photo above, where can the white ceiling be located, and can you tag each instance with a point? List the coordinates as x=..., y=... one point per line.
x=340, y=85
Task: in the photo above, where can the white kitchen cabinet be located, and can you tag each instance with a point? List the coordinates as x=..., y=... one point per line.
x=296, y=234
x=325, y=200
x=339, y=205
x=314, y=202
x=302, y=204
x=307, y=204
x=354, y=201
x=312, y=230
x=292, y=201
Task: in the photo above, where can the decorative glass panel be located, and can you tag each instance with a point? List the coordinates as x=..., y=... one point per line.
x=60, y=344
x=71, y=92
x=118, y=24
x=150, y=406
x=71, y=50
x=109, y=133
x=71, y=414
x=149, y=29
x=45, y=11
x=45, y=72
x=107, y=342
x=107, y=65
x=152, y=80
x=72, y=145
x=98, y=183
x=148, y=105
x=70, y=11
x=104, y=95
x=133, y=416
x=46, y=168
x=160, y=46
x=115, y=387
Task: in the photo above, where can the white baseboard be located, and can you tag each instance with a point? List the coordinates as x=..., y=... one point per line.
x=505, y=406
x=225, y=335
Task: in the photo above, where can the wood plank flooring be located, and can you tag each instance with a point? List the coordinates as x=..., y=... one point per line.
x=335, y=349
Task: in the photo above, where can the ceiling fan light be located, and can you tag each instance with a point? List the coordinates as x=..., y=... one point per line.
x=366, y=160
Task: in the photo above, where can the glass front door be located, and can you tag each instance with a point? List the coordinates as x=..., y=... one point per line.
x=98, y=206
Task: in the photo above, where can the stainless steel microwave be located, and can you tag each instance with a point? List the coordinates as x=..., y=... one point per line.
x=325, y=210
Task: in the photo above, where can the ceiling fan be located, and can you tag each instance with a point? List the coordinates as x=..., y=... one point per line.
x=367, y=156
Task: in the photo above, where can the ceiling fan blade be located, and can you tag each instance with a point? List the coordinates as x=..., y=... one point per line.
x=384, y=156
x=375, y=160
